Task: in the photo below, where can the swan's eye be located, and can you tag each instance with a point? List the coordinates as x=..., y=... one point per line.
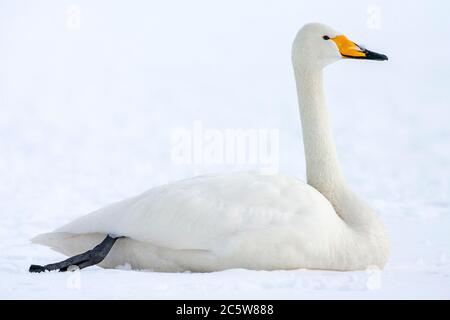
x=326, y=38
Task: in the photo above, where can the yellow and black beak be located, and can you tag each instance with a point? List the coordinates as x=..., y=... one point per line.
x=349, y=49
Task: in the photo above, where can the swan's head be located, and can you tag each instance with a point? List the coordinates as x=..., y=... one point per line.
x=318, y=45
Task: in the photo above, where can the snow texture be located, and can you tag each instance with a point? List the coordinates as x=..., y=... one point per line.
x=88, y=107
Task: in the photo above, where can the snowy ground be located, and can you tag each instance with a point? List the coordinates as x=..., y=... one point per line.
x=87, y=111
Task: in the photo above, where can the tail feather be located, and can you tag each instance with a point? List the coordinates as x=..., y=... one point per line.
x=68, y=243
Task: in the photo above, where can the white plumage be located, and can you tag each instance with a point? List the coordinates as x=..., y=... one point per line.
x=246, y=220
x=224, y=221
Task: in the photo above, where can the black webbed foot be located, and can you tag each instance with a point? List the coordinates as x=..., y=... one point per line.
x=83, y=260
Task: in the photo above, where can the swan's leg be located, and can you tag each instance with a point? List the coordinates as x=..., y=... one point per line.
x=83, y=260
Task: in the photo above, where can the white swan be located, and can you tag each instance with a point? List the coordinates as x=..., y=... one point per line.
x=248, y=220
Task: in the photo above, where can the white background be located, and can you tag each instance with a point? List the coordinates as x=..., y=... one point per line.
x=87, y=112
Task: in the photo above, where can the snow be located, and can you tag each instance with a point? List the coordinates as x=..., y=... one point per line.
x=88, y=110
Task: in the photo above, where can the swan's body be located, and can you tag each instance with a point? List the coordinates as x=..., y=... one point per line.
x=247, y=220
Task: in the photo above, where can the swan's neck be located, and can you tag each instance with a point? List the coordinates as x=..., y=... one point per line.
x=322, y=165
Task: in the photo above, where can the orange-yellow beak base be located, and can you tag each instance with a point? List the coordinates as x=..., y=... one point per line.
x=349, y=49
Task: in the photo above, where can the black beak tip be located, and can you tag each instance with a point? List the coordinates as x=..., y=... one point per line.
x=370, y=55
x=384, y=57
